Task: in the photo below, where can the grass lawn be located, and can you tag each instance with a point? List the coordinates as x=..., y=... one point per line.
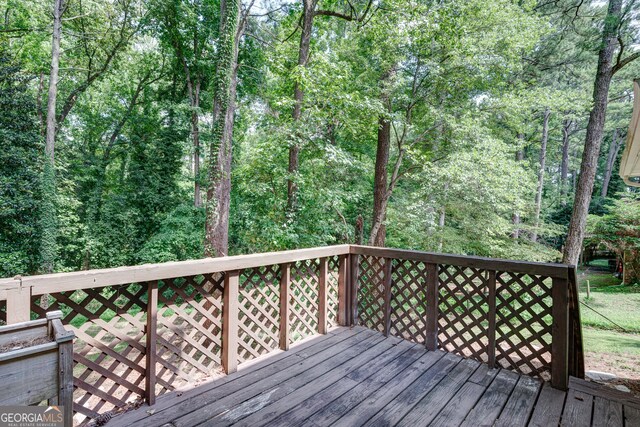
x=607, y=347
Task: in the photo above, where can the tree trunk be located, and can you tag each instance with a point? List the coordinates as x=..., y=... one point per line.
x=48, y=215
x=515, y=218
x=298, y=96
x=219, y=189
x=543, y=158
x=593, y=138
x=359, y=231
x=611, y=161
x=564, y=166
x=380, y=186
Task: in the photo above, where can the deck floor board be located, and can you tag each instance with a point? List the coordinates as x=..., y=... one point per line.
x=357, y=377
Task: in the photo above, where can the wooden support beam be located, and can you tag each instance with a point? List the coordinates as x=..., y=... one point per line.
x=322, y=296
x=560, y=334
x=431, y=341
x=230, y=307
x=386, y=277
x=491, y=314
x=343, y=281
x=150, y=347
x=353, y=288
x=18, y=305
x=285, y=302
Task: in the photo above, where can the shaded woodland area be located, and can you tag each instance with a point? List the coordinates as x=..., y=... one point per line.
x=139, y=131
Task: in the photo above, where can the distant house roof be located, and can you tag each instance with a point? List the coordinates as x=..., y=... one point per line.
x=630, y=164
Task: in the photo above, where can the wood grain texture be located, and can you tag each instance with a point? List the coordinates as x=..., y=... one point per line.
x=230, y=322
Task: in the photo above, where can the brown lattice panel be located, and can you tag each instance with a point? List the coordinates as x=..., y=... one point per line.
x=188, y=330
x=259, y=312
x=408, y=300
x=524, y=319
x=463, y=308
x=371, y=292
x=304, y=299
x=109, y=349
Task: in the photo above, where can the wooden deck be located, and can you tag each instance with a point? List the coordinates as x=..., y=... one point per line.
x=355, y=376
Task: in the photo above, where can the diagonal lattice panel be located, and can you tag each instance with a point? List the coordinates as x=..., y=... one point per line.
x=332, y=293
x=463, y=311
x=371, y=292
x=259, y=316
x=303, y=316
x=109, y=350
x=408, y=300
x=188, y=330
x=523, y=323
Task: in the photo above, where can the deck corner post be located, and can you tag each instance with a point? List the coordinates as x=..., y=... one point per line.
x=387, y=284
x=353, y=288
x=431, y=339
x=151, y=340
x=322, y=296
x=285, y=289
x=560, y=334
x=343, y=296
x=19, y=304
x=230, y=307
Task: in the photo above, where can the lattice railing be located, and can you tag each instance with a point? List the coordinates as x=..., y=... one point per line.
x=140, y=339
x=508, y=314
x=148, y=330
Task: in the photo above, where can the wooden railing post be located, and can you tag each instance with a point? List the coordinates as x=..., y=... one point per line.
x=19, y=304
x=491, y=346
x=560, y=334
x=343, y=298
x=386, y=277
x=230, y=307
x=151, y=340
x=322, y=296
x=353, y=288
x=431, y=339
x=285, y=282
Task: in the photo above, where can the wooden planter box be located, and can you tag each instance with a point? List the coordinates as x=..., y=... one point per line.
x=36, y=364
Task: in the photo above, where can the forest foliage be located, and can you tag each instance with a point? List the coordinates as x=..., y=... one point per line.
x=486, y=104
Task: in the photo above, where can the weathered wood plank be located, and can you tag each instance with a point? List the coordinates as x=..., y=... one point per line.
x=631, y=416
x=424, y=412
x=248, y=373
x=518, y=408
x=484, y=375
x=373, y=393
x=312, y=397
x=607, y=413
x=596, y=389
x=488, y=408
x=224, y=399
x=548, y=408
x=577, y=409
x=454, y=412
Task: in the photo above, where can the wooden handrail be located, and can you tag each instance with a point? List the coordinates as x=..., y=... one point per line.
x=525, y=267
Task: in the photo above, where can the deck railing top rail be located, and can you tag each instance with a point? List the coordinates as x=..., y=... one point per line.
x=59, y=282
